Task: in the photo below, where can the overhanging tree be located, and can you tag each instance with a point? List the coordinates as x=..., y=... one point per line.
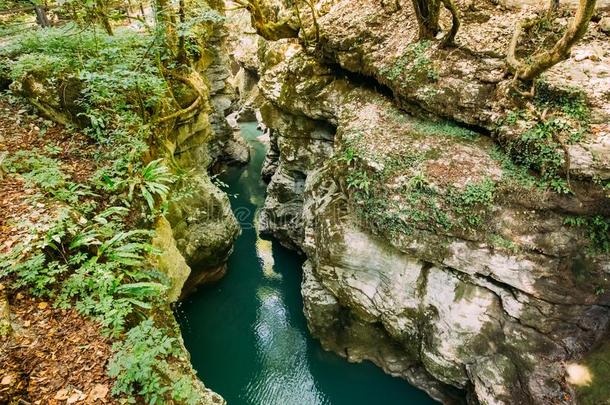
x=273, y=27
x=542, y=61
x=267, y=27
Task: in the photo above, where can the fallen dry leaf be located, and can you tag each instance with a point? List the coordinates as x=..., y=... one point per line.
x=7, y=379
x=62, y=395
x=98, y=392
x=76, y=397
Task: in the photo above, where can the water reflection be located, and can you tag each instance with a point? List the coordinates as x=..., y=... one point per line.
x=247, y=335
x=285, y=376
x=263, y=251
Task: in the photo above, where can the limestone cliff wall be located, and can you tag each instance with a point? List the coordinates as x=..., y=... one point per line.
x=429, y=252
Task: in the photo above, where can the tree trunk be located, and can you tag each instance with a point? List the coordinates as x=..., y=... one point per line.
x=182, y=57
x=314, y=17
x=449, y=39
x=427, y=13
x=553, y=5
x=167, y=20
x=102, y=13
x=142, y=11
x=41, y=16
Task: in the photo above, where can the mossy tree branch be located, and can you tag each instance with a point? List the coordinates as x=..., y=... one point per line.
x=270, y=30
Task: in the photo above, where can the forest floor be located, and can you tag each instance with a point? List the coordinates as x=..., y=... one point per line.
x=50, y=355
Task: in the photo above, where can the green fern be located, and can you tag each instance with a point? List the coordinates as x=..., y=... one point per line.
x=152, y=183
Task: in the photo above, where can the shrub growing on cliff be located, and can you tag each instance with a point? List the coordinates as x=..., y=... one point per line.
x=140, y=364
x=597, y=229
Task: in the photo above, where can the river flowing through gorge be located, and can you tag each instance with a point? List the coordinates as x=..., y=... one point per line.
x=247, y=334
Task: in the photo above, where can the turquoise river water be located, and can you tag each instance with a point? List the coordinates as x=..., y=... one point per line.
x=247, y=334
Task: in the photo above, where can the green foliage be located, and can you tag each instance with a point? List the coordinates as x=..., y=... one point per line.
x=444, y=128
x=119, y=90
x=400, y=199
x=198, y=28
x=115, y=90
x=504, y=243
x=140, y=365
x=184, y=392
x=476, y=197
x=41, y=65
x=418, y=182
x=96, y=267
x=152, y=182
x=37, y=274
x=512, y=172
x=140, y=361
x=597, y=229
x=45, y=173
x=537, y=149
x=359, y=180
x=38, y=170
x=350, y=155
x=513, y=117
x=571, y=101
x=117, y=86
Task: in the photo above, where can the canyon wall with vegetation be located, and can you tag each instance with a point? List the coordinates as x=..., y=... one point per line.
x=456, y=230
x=122, y=159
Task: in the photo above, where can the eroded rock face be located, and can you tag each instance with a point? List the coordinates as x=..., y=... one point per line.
x=470, y=84
x=298, y=145
x=203, y=224
x=226, y=145
x=427, y=252
x=200, y=214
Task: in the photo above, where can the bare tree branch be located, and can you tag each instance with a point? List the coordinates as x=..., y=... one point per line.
x=560, y=51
